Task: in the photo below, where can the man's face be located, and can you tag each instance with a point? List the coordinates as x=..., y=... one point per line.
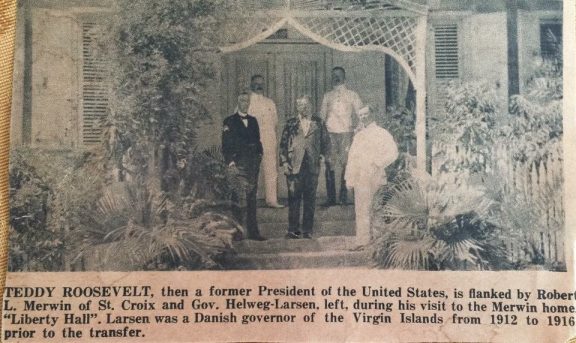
x=243, y=103
x=257, y=85
x=366, y=118
x=303, y=108
x=337, y=77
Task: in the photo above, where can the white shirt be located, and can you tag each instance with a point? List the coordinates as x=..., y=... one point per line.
x=305, y=125
x=244, y=118
x=337, y=109
x=372, y=150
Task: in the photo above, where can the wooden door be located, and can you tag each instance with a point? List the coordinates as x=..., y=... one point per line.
x=290, y=70
x=238, y=69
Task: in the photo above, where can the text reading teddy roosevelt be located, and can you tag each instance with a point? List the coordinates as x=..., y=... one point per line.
x=132, y=312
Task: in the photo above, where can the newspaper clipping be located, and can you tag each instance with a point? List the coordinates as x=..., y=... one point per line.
x=291, y=170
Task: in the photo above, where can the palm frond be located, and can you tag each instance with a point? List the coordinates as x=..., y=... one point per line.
x=410, y=254
x=466, y=250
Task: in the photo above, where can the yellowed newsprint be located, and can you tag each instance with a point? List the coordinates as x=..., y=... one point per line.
x=288, y=170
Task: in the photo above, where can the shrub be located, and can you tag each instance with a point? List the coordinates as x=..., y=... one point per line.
x=31, y=242
x=423, y=223
x=463, y=135
x=163, y=60
x=140, y=230
x=51, y=192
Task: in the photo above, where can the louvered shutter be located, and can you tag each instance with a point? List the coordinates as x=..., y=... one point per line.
x=446, y=60
x=446, y=51
x=94, y=86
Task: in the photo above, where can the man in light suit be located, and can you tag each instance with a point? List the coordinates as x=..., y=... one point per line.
x=304, y=141
x=373, y=149
x=242, y=149
x=264, y=109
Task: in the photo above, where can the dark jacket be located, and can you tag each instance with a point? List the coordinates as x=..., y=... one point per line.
x=240, y=142
x=294, y=146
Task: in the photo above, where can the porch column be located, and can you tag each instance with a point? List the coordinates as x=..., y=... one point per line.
x=420, y=87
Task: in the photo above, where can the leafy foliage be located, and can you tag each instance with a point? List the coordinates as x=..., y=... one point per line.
x=534, y=130
x=31, y=243
x=208, y=177
x=423, y=223
x=50, y=192
x=523, y=215
x=472, y=115
x=401, y=123
x=164, y=57
x=514, y=155
x=140, y=230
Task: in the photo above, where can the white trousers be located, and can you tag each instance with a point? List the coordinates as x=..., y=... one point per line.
x=364, y=192
x=363, y=195
x=270, y=168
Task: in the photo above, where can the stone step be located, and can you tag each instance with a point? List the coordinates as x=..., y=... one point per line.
x=282, y=245
x=321, y=228
x=299, y=260
x=280, y=215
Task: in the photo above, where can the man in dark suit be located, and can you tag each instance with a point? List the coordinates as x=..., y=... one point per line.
x=242, y=149
x=304, y=140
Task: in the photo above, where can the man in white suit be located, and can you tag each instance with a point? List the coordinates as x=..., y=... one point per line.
x=264, y=109
x=372, y=150
x=339, y=107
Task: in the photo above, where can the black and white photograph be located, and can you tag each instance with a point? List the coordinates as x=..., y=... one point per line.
x=192, y=135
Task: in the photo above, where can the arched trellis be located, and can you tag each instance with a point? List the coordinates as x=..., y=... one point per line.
x=395, y=27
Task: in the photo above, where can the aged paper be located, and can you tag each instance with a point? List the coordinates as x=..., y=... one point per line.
x=343, y=170
x=7, y=33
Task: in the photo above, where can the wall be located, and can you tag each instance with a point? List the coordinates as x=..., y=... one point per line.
x=55, y=56
x=484, y=50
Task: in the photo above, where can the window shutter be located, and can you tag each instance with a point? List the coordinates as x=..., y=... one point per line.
x=446, y=51
x=94, y=86
x=446, y=62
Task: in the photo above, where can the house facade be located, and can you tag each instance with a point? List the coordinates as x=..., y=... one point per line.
x=60, y=96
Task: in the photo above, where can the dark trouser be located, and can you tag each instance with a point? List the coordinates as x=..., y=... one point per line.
x=340, y=144
x=248, y=168
x=302, y=189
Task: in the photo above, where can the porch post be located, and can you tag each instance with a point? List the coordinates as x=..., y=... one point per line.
x=420, y=87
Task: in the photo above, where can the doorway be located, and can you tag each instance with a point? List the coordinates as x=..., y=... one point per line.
x=291, y=69
x=294, y=65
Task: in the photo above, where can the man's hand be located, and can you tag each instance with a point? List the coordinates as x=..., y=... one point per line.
x=286, y=169
x=181, y=164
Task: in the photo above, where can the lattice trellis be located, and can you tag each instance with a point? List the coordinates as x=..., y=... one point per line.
x=412, y=5
x=396, y=27
x=351, y=25
x=396, y=33
x=246, y=29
